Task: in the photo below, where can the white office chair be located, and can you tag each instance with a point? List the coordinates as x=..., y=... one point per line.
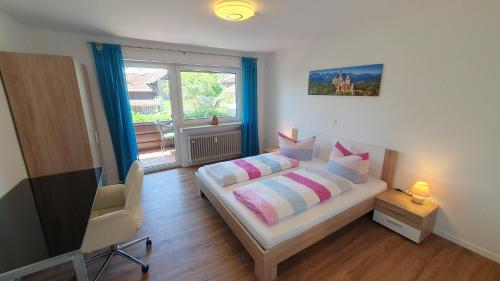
x=116, y=217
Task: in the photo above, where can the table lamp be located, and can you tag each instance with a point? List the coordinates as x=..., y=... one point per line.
x=419, y=191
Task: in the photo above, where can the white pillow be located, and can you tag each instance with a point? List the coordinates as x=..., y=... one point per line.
x=344, y=163
x=300, y=150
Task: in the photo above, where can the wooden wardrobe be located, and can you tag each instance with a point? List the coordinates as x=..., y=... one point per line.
x=50, y=103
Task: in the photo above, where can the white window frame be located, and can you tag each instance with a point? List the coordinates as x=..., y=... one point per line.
x=214, y=69
x=172, y=82
x=174, y=99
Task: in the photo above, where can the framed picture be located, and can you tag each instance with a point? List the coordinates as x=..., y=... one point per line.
x=361, y=80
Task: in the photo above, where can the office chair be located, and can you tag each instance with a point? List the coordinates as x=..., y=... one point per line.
x=116, y=217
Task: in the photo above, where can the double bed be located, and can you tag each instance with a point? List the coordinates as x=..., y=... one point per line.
x=269, y=245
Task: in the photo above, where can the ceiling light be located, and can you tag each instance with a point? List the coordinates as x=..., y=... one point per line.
x=234, y=10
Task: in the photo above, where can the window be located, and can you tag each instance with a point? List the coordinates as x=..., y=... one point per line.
x=208, y=93
x=152, y=104
x=149, y=93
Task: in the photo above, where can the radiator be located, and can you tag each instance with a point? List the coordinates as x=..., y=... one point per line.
x=214, y=147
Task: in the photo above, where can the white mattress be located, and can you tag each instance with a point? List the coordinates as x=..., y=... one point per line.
x=270, y=236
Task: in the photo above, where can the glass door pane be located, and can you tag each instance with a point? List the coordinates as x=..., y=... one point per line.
x=149, y=92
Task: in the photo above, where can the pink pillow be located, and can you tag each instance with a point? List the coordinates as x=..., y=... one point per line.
x=354, y=167
x=300, y=150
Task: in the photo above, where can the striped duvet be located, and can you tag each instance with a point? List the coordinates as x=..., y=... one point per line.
x=234, y=171
x=274, y=199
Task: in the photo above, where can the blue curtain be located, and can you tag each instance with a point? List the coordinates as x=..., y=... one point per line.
x=249, y=126
x=111, y=72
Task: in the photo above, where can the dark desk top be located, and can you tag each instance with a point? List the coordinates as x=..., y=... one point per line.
x=45, y=217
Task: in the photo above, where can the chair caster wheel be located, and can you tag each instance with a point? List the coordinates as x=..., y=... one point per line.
x=149, y=242
x=145, y=268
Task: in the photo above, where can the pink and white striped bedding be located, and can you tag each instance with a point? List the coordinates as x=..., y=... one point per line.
x=273, y=199
x=244, y=169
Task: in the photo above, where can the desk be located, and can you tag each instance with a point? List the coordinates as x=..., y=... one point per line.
x=44, y=221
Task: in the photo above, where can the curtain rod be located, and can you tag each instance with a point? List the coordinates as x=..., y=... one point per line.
x=171, y=50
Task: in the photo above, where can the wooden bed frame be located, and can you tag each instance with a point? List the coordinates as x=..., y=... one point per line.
x=266, y=260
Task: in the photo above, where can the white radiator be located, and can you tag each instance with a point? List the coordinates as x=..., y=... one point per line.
x=214, y=147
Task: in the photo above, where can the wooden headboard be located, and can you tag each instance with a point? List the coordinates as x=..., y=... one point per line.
x=382, y=160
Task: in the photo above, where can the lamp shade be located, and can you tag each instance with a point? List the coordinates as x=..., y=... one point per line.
x=234, y=10
x=420, y=188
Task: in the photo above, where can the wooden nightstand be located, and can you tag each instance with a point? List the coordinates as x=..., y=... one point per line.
x=396, y=211
x=271, y=149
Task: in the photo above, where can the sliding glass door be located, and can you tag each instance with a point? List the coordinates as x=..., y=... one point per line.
x=151, y=101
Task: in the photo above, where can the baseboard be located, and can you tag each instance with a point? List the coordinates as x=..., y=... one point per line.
x=468, y=245
x=160, y=168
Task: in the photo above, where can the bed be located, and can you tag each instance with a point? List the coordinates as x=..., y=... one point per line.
x=269, y=245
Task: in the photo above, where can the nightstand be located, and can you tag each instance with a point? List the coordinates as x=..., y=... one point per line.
x=271, y=149
x=396, y=211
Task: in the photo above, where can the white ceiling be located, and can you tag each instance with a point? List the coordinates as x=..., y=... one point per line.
x=278, y=24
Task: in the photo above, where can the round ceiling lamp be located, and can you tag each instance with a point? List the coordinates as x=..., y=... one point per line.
x=234, y=10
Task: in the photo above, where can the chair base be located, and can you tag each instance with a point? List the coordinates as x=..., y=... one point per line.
x=116, y=250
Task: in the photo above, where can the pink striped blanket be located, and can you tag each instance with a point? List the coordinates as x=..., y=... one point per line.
x=273, y=199
x=244, y=169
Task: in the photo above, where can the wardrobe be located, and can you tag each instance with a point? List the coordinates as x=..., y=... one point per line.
x=50, y=103
x=51, y=107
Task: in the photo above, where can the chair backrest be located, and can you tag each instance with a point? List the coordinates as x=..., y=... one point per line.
x=164, y=128
x=133, y=191
x=160, y=129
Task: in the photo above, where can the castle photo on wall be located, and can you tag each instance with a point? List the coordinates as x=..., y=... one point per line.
x=361, y=80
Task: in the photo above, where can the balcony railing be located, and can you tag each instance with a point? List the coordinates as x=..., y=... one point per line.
x=149, y=144
x=148, y=136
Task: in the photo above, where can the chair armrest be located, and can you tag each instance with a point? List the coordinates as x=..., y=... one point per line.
x=109, y=229
x=109, y=197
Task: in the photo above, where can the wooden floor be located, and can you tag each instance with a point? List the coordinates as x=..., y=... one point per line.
x=191, y=242
x=156, y=157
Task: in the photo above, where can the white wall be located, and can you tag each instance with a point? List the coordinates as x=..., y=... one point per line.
x=13, y=37
x=439, y=107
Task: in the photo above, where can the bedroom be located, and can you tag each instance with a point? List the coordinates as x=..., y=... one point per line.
x=436, y=107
